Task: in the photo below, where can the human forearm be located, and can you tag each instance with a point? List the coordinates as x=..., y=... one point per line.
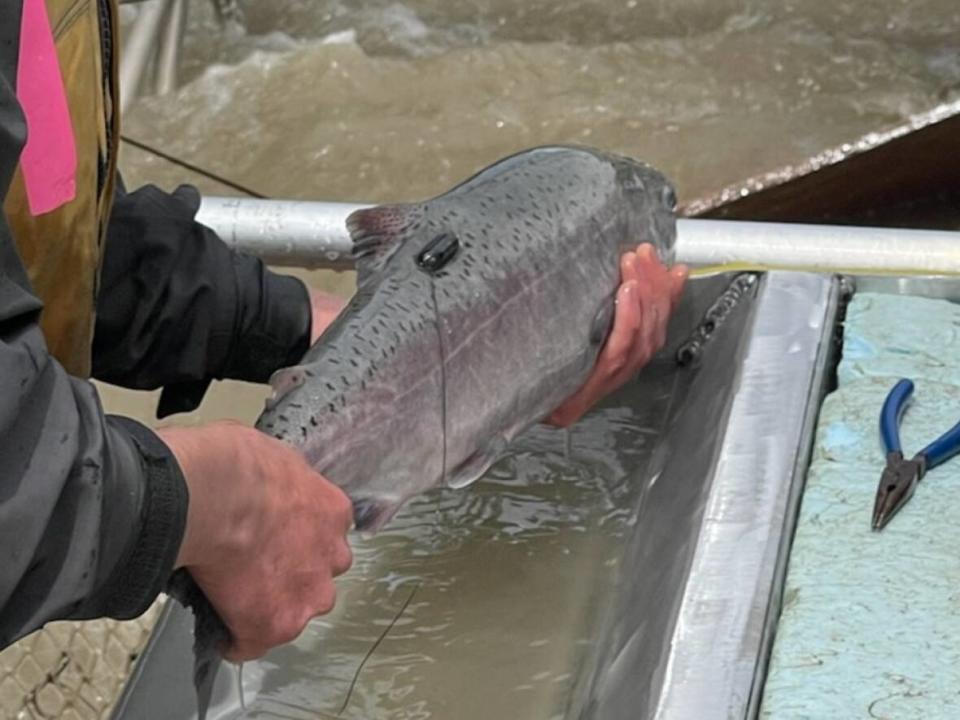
x=265, y=534
x=91, y=508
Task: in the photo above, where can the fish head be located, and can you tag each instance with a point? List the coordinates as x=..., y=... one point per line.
x=649, y=205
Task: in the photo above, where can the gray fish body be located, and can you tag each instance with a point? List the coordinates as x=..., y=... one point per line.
x=425, y=377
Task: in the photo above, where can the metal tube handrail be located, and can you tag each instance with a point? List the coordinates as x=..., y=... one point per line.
x=308, y=234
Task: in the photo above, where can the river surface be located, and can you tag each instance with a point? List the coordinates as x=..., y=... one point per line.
x=387, y=101
x=379, y=101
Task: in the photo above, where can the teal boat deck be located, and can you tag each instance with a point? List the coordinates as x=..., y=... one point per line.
x=870, y=626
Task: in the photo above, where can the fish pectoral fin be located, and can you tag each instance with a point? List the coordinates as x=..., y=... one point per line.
x=474, y=467
x=377, y=233
x=603, y=321
x=283, y=381
x=371, y=514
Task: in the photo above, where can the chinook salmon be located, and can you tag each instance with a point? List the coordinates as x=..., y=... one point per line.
x=477, y=313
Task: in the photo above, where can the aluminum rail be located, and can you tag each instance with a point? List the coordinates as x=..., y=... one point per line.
x=314, y=235
x=833, y=248
x=287, y=233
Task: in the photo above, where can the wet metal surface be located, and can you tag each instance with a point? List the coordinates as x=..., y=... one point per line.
x=571, y=586
x=747, y=465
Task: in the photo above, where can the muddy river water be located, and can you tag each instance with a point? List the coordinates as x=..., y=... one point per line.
x=378, y=101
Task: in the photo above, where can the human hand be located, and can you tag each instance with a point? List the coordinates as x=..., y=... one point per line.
x=265, y=534
x=324, y=309
x=647, y=296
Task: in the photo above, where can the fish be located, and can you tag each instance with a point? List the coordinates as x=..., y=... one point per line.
x=210, y=636
x=476, y=314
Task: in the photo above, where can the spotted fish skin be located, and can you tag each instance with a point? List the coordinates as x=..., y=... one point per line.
x=428, y=374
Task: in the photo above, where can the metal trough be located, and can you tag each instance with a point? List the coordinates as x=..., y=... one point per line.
x=683, y=627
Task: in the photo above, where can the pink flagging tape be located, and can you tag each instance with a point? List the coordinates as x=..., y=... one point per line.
x=49, y=159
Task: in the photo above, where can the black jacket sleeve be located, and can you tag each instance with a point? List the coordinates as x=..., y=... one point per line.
x=177, y=307
x=92, y=508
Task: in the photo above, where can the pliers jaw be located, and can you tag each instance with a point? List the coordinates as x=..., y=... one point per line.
x=897, y=483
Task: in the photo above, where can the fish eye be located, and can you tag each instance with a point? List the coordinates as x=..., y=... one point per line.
x=669, y=197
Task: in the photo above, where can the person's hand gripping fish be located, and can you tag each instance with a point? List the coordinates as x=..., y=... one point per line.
x=646, y=298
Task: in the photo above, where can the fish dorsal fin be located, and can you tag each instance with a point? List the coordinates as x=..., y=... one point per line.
x=377, y=233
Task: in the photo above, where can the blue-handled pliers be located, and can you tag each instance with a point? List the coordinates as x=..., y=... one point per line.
x=900, y=476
